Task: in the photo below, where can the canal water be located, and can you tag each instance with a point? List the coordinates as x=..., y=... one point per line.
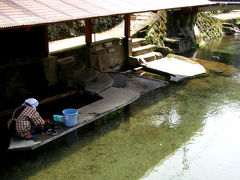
x=187, y=130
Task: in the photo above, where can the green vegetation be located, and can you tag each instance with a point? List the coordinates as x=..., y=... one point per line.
x=108, y=116
x=209, y=27
x=158, y=31
x=173, y=24
x=77, y=28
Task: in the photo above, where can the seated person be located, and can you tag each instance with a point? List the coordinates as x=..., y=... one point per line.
x=25, y=119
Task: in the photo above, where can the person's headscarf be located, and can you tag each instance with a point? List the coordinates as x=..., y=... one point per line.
x=32, y=102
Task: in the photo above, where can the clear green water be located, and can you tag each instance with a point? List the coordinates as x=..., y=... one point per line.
x=188, y=130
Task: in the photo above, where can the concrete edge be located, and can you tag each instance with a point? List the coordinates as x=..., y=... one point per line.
x=75, y=127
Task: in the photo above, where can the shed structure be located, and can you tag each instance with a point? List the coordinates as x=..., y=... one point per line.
x=26, y=13
x=23, y=34
x=23, y=24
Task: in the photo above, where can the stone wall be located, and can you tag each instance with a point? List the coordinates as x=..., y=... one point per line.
x=183, y=31
x=41, y=78
x=173, y=29
x=209, y=27
x=107, y=54
x=158, y=31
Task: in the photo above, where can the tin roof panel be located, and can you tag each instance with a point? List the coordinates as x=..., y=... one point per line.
x=15, y=13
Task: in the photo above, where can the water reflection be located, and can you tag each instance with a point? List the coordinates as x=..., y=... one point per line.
x=226, y=49
x=210, y=154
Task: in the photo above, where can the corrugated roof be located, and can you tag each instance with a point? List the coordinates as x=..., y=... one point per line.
x=32, y=12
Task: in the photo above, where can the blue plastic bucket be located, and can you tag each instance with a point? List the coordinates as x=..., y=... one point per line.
x=70, y=117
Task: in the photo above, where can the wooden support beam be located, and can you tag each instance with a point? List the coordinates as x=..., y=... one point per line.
x=127, y=26
x=58, y=96
x=188, y=10
x=88, y=31
x=46, y=50
x=43, y=101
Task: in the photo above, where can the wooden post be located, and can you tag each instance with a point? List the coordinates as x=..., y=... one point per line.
x=46, y=50
x=127, y=27
x=88, y=31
